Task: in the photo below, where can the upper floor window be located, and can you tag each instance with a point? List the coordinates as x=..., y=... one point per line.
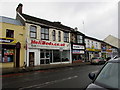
x=33, y=32
x=10, y=33
x=96, y=45
x=59, y=36
x=66, y=37
x=44, y=33
x=54, y=35
x=79, y=39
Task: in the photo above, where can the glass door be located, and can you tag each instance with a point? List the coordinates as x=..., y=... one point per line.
x=31, y=59
x=44, y=56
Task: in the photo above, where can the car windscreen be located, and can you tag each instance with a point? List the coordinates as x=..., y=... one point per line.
x=108, y=77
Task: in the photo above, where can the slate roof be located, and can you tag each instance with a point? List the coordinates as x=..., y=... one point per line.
x=46, y=22
x=10, y=20
x=93, y=39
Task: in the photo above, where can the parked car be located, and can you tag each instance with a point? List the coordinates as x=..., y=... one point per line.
x=107, y=78
x=108, y=58
x=97, y=60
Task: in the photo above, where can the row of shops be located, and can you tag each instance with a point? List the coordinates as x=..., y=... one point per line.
x=40, y=52
x=30, y=41
x=46, y=52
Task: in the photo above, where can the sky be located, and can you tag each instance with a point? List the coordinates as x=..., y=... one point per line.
x=94, y=18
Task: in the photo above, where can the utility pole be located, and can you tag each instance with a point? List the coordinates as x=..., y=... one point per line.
x=83, y=26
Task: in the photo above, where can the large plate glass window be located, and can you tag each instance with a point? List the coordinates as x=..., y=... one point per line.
x=45, y=56
x=7, y=55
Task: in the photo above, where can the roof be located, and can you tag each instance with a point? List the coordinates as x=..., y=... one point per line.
x=112, y=40
x=93, y=39
x=46, y=22
x=10, y=20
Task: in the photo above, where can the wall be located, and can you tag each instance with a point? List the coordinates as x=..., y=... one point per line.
x=94, y=44
x=19, y=36
x=50, y=33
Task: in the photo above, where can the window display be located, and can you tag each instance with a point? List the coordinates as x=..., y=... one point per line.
x=7, y=55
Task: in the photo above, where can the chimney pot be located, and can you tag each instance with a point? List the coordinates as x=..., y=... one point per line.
x=19, y=8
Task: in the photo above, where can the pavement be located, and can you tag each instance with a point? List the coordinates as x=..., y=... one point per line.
x=40, y=67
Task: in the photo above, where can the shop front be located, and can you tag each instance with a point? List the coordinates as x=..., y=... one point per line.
x=47, y=52
x=90, y=53
x=78, y=53
x=8, y=54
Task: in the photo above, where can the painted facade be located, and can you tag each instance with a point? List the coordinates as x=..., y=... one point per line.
x=93, y=48
x=78, y=46
x=46, y=42
x=12, y=41
x=47, y=51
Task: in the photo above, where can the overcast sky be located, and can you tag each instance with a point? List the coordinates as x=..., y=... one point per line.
x=100, y=17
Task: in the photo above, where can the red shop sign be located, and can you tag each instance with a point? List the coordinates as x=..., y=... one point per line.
x=40, y=42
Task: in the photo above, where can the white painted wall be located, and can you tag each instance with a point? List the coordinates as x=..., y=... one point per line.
x=36, y=56
x=98, y=46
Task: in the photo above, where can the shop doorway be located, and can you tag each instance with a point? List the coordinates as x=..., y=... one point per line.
x=45, y=56
x=31, y=59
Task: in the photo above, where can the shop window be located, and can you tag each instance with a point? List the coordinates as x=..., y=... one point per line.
x=44, y=33
x=66, y=37
x=53, y=35
x=65, y=56
x=79, y=39
x=7, y=55
x=56, y=56
x=45, y=56
x=10, y=33
x=59, y=36
x=33, y=32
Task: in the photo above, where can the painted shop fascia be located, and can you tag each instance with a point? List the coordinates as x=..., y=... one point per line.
x=48, y=52
x=78, y=53
x=33, y=43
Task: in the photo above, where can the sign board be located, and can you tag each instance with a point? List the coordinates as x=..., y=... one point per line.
x=78, y=47
x=7, y=40
x=78, y=52
x=33, y=43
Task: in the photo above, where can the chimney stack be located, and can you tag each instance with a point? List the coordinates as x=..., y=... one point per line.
x=19, y=8
x=76, y=29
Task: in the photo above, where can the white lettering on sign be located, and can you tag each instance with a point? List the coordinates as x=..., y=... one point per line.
x=40, y=42
x=78, y=52
x=5, y=41
x=78, y=47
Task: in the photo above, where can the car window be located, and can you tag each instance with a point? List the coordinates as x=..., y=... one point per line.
x=94, y=58
x=109, y=76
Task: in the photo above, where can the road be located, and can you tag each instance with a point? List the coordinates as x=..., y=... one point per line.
x=69, y=77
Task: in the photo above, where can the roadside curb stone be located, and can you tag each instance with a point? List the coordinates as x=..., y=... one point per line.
x=41, y=67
